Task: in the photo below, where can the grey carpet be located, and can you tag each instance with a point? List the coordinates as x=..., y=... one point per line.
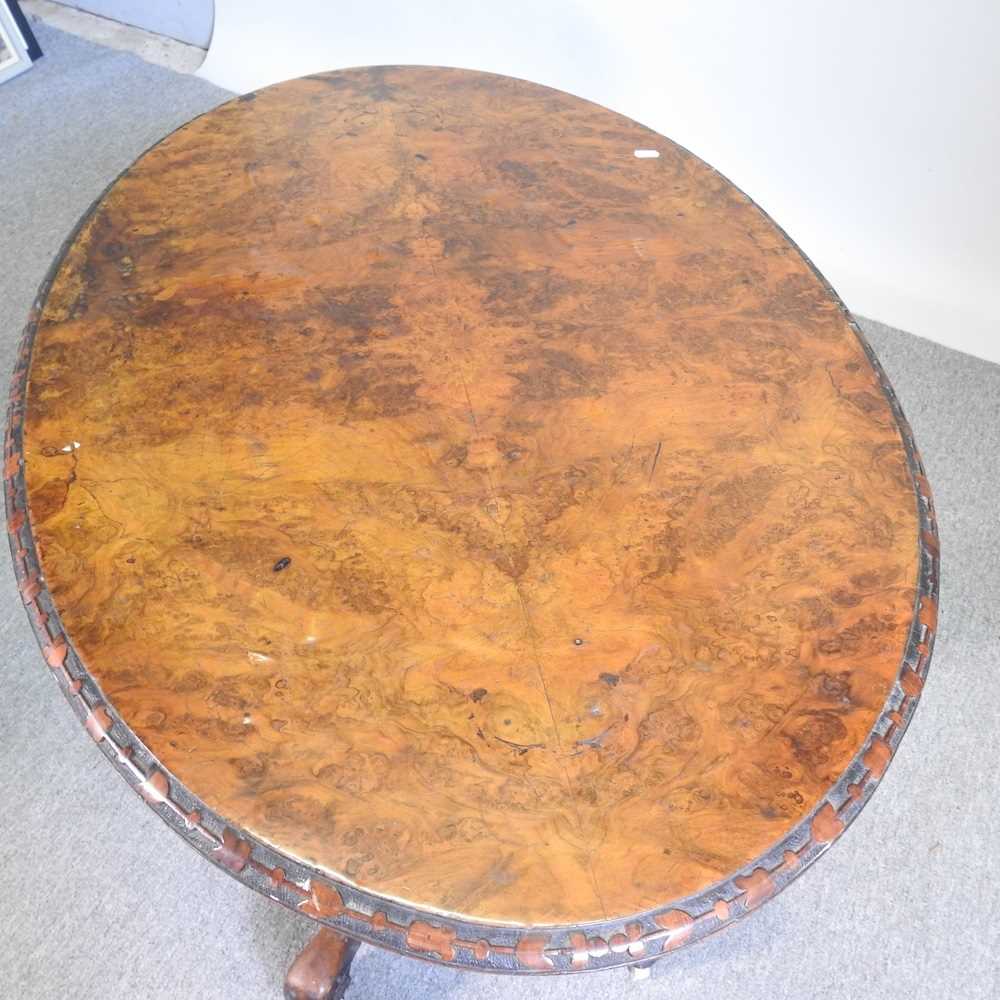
x=99, y=900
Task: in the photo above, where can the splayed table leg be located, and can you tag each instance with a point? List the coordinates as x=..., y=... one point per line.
x=641, y=971
x=322, y=969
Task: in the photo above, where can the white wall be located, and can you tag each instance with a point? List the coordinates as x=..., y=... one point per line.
x=188, y=20
x=869, y=129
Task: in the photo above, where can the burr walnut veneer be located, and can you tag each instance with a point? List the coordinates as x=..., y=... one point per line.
x=497, y=545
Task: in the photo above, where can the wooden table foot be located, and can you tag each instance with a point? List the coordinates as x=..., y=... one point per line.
x=322, y=969
x=641, y=971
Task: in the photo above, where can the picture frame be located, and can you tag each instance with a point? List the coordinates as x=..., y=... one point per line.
x=18, y=46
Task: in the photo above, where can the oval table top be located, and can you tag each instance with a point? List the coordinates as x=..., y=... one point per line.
x=450, y=519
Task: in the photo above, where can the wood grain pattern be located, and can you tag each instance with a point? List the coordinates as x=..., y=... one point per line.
x=469, y=509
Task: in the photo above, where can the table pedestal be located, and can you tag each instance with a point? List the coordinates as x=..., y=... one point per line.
x=322, y=971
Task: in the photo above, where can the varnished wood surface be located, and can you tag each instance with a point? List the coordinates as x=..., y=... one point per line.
x=468, y=508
